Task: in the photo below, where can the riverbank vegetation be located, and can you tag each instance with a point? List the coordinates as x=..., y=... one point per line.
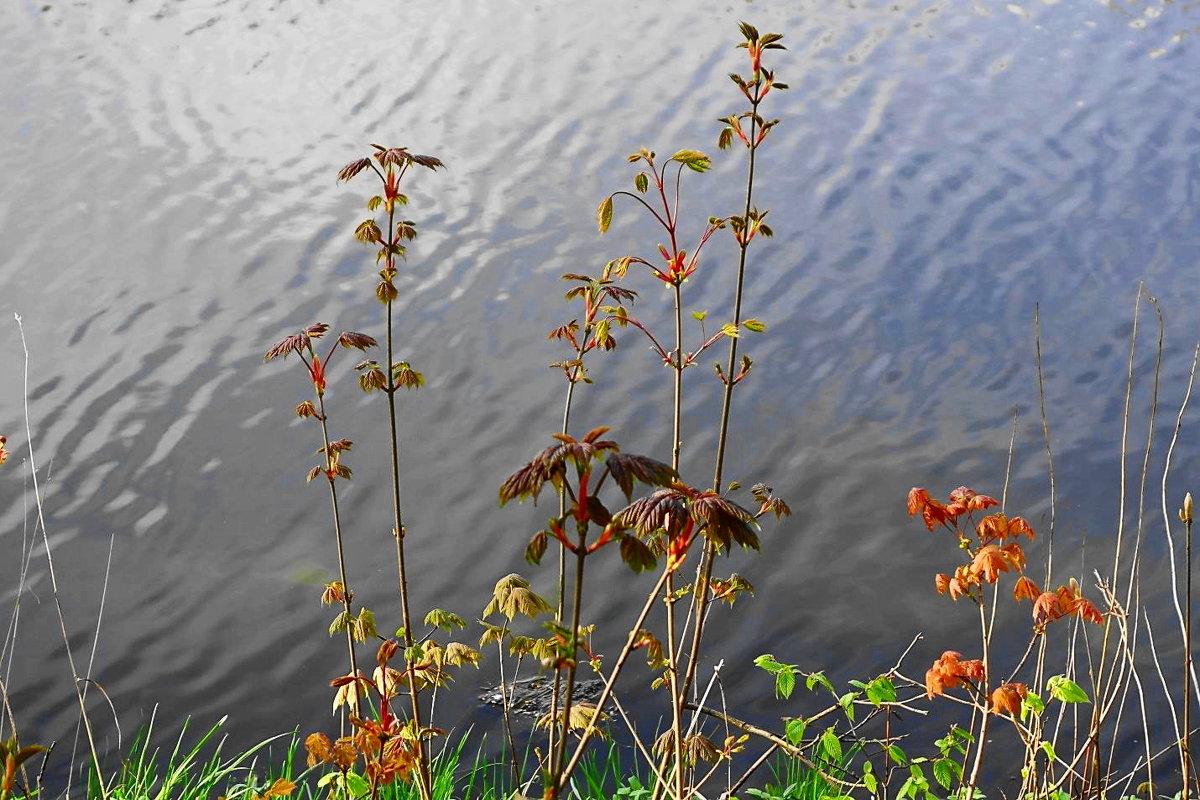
x=1055, y=718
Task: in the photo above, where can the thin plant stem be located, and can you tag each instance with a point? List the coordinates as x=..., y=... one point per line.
x=704, y=573
x=62, y=621
x=610, y=683
x=337, y=532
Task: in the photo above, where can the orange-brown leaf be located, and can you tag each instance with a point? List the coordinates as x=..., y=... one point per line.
x=980, y=502
x=1025, y=589
x=1007, y=697
x=918, y=498
x=1018, y=526
x=989, y=562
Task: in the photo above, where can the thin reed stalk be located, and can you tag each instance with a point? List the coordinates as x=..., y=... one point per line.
x=76, y=680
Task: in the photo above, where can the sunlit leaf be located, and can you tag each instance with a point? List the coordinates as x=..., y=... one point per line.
x=447, y=620
x=604, y=214
x=1066, y=690
x=754, y=325
x=794, y=729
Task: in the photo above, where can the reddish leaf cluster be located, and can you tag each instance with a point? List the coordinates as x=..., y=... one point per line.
x=1065, y=601
x=950, y=671
x=1007, y=698
x=3, y=452
x=962, y=501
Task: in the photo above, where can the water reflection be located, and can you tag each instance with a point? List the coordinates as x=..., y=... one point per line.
x=171, y=210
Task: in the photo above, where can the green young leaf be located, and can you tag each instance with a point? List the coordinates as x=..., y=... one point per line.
x=364, y=626
x=1048, y=749
x=699, y=315
x=754, y=325
x=869, y=780
x=846, y=701
x=641, y=182
x=767, y=662
x=1066, y=690
x=946, y=771
x=793, y=729
x=604, y=214
x=1032, y=704
x=831, y=746
x=693, y=160
x=340, y=623
x=817, y=679
x=881, y=690
x=785, y=684
x=447, y=620
x=357, y=784
x=896, y=754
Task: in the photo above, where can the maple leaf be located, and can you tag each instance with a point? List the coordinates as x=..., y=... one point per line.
x=1025, y=589
x=1018, y=526
x=980, y=502
x=1086, y=610
x=1046, y=608
x=989, y=562
x=918, y=498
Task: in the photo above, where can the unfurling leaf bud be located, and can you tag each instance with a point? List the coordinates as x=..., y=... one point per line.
x=1185, y=513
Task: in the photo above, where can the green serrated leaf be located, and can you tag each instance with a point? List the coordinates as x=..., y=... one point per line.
x=692, y=159
x=357, y=784
x=869, y=780
x=817, y=679
x=846, y=701
x=340, y=622
x=831, y=746
x=1066, y=690
x=767, y=662
x=794, y=729
x=785, y=684
x=881, y=690
x=946, y=771
x=447, y=620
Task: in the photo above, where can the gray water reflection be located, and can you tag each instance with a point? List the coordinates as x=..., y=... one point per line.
x=171, y=210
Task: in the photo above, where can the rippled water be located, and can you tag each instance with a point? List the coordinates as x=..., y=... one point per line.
x=170, y=210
